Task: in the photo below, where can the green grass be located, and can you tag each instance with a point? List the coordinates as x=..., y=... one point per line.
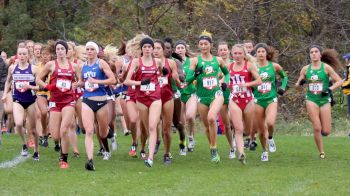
x=294, y=169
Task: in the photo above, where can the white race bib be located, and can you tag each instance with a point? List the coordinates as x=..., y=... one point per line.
x=210, y=82
x=316, y=88
x=163, y=81
x=90, y=87
x=20, y=86
x=148, y=87
x=265, y=87
x=237, y=89
x=63, y=85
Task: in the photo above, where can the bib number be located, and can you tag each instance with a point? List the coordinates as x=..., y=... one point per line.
x=148, y=87
x=237, y=89
x=90, y=87
x=20, y=86
x=265, y=87
x=316, y=88
x=63, y=85
x=163, y=81
x=210, y=82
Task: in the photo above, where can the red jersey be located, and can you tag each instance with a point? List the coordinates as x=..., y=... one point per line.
x=62, y=79
x=165, y=84
x=240, y=77
x=150, y=91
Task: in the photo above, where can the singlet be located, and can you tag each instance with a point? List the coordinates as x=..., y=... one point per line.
x=208, y=80
x=190, y=88
x=317, y=81
x=47, y=93
x=20, y=78
x=267, y=89
x=165, y=82
x=63, y=80
x=152, y=90
x=93, y=71
x=240, y=77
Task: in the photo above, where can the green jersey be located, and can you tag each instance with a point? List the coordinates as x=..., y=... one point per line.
x=208, y=80
x=190, y=88
x=267, y=89
x=317, y=81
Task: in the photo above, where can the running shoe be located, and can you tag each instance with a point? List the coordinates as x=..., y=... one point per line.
x=143, y=155
x=57, y=147
x=167, y=159
x=183, y=150
x=132, y=151
x=76, y=154
x=252, y=146
x=114, y=142
x=170, y=156
x=272, y=146
x=265, y=156
x=126, y=132
x=246, y=143
x=322, y=156
x=149, y=162
x=157, y=147
x=45, y=142
x=191, y=144
x=36, y=156
x=24, y=151
x=215, y=158
x=241, y=158
x=100, y=152
x=63, y=165
x=89, y=165
x=106, y=156
x=31, y=143
x=41, y=140
x=232, y=154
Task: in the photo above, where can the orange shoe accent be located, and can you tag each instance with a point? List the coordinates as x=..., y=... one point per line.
x=64, y=165
x=4, y=129
x=132, y=153
x=31, y=143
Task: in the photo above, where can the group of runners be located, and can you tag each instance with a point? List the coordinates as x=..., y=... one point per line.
x=152, y=85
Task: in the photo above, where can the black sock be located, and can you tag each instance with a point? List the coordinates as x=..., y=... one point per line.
x=270, y=137
x=25, y=146
x=64, y=157
x=105, y=144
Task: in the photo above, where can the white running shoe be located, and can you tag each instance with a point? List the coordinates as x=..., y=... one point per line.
x=272, y=145
x=24, y=152
x=183, y=150
x=191, y=144
x=106, y=156
x=232, y=154
x=265, y=156
x=114, y=142
x=234, y=142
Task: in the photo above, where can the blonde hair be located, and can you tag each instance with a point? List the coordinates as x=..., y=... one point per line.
x=79, y=52
x=109, y=51
x=133, y=45
x=247, y=56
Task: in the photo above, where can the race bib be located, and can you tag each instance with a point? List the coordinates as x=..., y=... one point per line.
x=20, y=86
x=177, y=94
x=52, y=104
x=316, y=88
x=163, y=81
x=90, y=87
x=148, y=87
x=63, y=85
x=265, y=87
x=236, y=89
x=210, y=82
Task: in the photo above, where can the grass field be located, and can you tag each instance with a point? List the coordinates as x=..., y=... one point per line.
x=295, y=169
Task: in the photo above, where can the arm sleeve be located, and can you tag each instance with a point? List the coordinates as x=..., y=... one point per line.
x=190, y=76
x=284, y=77
x=226, y=73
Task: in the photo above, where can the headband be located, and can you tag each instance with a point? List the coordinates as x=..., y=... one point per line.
x=180, y=42
x=94, y=45
x=261, y=45
x=316, y=46
x=205, y=37
x=63, y=43
x=146, y=40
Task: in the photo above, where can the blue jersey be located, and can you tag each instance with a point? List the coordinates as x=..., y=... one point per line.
x=95, y=72
x=21, y=78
